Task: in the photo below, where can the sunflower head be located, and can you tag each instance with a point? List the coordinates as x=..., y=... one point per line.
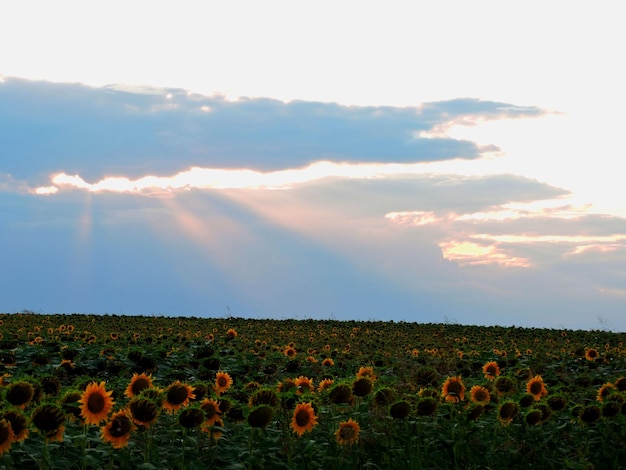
x=400, y=409
x=191, y=418
x=177, y=396
x=143, y=411
x=7, y=436
x=453, y=390
x=590, y=414
x=348, y=433
x=118, y=430
x=303, y=385
x=223, y=381
x=362, y=386
x=264, y=397
x=49, y=420
x=96, y=403
x=480, y=394
x=536, y=387
x=507, y=411
x=366, y=372
x=304, y=419
x=341, y=393
x=384, y=397
x=19, y=424
x=491, y=370
x=260, y=416
x=138, y=383
x=211, y=409
x=20, y=393
x=427, y=406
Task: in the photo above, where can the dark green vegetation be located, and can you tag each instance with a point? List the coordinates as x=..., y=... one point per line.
x=423, y=396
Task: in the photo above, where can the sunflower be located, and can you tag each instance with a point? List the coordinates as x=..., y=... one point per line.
x=263, y=397
x=400, y=409
x=504, y=385
x=260, y=416
x=620, y=384
x=138, y=383
x=191, y=418
x=7, y=436
x=507, y=411
x=328, y=362
x=20, y=394
x=325, y=384
x=69, y=404
x=49, y=420
x=223, y=382
x=362, y=387
x=453, y=389
x=341, y=393
x=533, y=417
x=591, y=354
x=303, y=385
x=491, y=370
x=366, y=372
x=177, y=395
x=118, y=430
x=590, y=414
x=96, y=403
x=143, y=411
x=214, y=430
x=348, y=433
x=19, y=424
x=384, y=397
x=290, y=352
x=605, y=390
x=304, y=418
x=480, y=394
x=427, y=406
x=231, y=333
x=211, y=410
x=536, y=387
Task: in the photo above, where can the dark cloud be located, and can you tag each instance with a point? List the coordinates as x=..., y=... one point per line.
x=49, y=127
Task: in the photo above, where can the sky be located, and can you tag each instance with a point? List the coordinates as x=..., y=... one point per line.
x=450, y=161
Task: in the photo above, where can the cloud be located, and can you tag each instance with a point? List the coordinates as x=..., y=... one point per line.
x=111, y=131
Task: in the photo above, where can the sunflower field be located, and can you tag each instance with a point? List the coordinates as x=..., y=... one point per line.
x=113, y=392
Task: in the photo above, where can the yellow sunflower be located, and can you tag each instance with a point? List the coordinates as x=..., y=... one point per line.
x=19, y=424
x=591, y=354
x=480, y=395
x=143, y=411
x=215, y=430
x=303, y=385
x=536, y=387
x=348, y=433
x=118, y=430
x=605, y=390
x=7, y=436
x=211, y=410
x=96, y=403
x=304, y=418
x=223, y=382
x=177, y=395
x=491, y=370
x=138, y=383
x=453, y=389
x=366, y=372
x=325, y=384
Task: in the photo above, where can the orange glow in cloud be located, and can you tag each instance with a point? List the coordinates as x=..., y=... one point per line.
x=470, y=253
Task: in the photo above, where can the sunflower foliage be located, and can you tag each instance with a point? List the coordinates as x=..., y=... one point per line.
x=88, y=391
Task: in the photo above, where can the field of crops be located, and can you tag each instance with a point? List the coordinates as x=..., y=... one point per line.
x=87, y=391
